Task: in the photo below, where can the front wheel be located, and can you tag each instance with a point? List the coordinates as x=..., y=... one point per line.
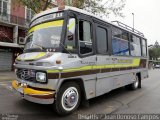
x=68, y=98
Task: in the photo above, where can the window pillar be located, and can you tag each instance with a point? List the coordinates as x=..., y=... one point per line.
x=15, y=34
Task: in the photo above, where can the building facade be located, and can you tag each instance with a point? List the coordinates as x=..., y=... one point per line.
x=14, y=20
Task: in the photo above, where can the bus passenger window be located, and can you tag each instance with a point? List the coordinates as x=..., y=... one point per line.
x=117, y=33
x=135, y=46
x=70, y=39
x=120, y=47
x=125, y=35
x=120, y=42
x=101, y=34
x=85, y=42
x=144, y=48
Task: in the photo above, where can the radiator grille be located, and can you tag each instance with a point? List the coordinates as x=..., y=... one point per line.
x=26, y=74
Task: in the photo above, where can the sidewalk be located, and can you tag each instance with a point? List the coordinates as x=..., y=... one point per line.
x=7, y=76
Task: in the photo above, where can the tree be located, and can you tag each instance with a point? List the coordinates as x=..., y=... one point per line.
x=156, y=44
x=37, y=5
x=154, y=52
x=97, y=7
x=104, y=7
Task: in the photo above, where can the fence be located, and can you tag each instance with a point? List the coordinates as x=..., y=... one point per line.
x=14, y=19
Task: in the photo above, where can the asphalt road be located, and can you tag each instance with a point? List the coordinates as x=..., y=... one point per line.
x=120, y=101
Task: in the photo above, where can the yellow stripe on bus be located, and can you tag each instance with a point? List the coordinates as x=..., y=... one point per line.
x=46, y=25
x=30, y=91
x=71, y=25
x=135, y=63
x=39, y=55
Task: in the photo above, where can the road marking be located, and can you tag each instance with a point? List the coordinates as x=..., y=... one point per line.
x=7, y=85
x=5, y=82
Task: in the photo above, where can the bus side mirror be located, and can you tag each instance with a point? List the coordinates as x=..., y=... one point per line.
x=70, y=36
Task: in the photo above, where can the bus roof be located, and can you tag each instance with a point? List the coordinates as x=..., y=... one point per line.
x=124, y=27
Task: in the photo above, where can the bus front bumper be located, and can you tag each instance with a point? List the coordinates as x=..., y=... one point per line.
x=33, y=95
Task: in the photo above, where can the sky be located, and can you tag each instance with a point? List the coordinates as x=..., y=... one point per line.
x=146, y=18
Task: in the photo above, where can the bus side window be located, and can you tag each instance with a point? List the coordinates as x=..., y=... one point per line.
x=135, y=46
x=85, y=42
x=102, y=41
x=70, y=39
x=144, y=48
x=120, y=42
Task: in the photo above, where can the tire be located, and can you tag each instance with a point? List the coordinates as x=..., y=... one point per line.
x=136, y=84
x=63, y=105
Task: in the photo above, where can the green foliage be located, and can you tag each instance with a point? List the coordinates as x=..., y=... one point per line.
x=97, y=7
x=36, y=5
x=104, y=7
x=75, y=3
x=154, y=53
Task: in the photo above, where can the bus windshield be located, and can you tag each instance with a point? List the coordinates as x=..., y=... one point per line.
x=44, y=37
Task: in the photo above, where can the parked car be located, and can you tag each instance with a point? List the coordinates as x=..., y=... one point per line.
x=157, y=66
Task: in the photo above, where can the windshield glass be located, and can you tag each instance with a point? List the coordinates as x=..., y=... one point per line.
x=44, y=37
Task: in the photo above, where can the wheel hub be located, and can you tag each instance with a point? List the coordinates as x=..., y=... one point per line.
x=70, y=98
x=136, y=83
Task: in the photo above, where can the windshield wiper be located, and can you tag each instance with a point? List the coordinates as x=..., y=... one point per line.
x=39, y=46
x=66, y=49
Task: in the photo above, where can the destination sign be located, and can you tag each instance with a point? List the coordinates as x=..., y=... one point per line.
x=46, y=18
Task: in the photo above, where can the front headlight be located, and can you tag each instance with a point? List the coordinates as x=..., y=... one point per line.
x=41, y=77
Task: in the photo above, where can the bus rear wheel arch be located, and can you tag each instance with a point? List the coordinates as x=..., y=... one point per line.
x=136, y=84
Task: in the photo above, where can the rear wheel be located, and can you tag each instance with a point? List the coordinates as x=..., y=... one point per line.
x=136, y=84
x=68, y=98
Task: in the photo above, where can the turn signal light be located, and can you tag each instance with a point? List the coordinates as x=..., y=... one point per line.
x=58, y=61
